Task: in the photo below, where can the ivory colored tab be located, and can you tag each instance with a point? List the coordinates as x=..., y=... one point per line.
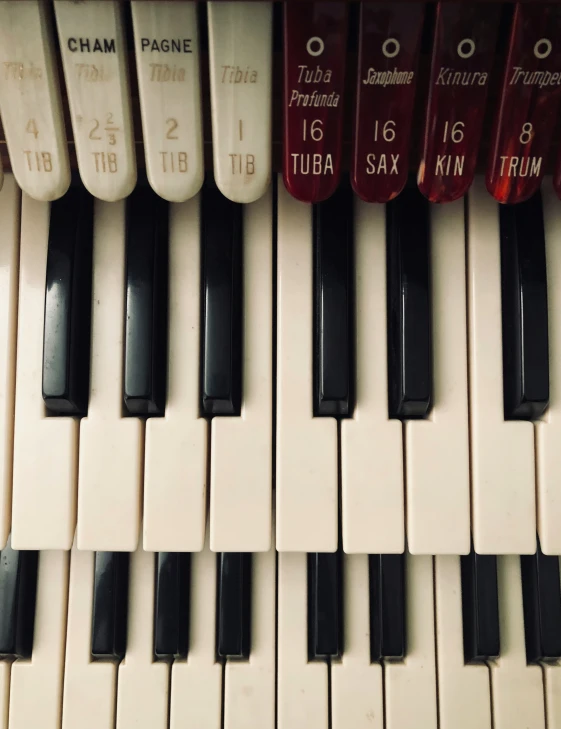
x=142, y=691
x=196, y=684
x=110, y=464
x=241, y=69
x=302, y=694
x=371, y=444
x=166, y=42
x=45, y=448
x=241, y=466
x=36, y=686
x=411, y=685
x=502, y=453
x=357, y=697
x=517, y=688
x=30, y=100
x=94, y=57
x=548, y=431
x=306, y=483
x=175, y=463
x=463, y=690
x=89, y=686
x=10, y=206
x=5, y=675
x=437, y=449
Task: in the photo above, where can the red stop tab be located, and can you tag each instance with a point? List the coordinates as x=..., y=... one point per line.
x=315, y=48
x=389, y=39
x=528, y=105
x=462, y=59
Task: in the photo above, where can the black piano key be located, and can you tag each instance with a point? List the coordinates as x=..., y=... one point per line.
x=387, y=606
x=66, y=334
x=325, y=627
x=234, y=604
x=171, y=615
x=222, y=304
x=110, y=604
x=480, y=607
x=524, y=310
x=144, y=380
x=333, y=305
x=18, y=589
x=409, y=306
x=541, y=594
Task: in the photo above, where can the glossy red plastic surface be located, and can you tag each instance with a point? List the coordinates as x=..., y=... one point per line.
x=529, y=101
x=462, y=60
x=389, y=38
x=315, y=49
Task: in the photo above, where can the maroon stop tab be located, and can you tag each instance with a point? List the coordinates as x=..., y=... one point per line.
x=462, y=59
x=315, y=48
x=389, y=39
x=528, y=105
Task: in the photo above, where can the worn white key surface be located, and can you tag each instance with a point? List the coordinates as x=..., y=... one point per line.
x=242, y=449
x=463, y=690
x=89, y=686
x=306, y=479
x=437, y=449
x=37, y=685
x=240, y=38
x=30, y=100
x=502, y=452
x=548, y=431
x=94, y=56
x=517, y=688
x=176, y=445
x=196, y=684
x=357, y=697
x=166, y=42
x=302, y=693
x=372, y=488
x=45, y=448
x=111, y=446
x=10, y=207
x=411, y=696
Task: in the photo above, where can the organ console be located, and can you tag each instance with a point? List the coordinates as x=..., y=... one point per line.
x=280, y=364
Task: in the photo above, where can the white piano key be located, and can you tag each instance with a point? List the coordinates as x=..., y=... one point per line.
x=249, y=686
x=302, y=692
x=5, y=675
x=10, y=207
x=502, y=453
x=170, y=95
x=463, y=690
x=240, y=37
x=357, y=696
x=111, y=446
x=143, y=686
x=242, y=449
x=30, y=100
x=411, y=698
x=37, y=685
x=306, y=478
x=517, y=688
x=372, y=505
x=437, y=449
x=176, y=445
x=45, y=448
x=196, y=684
x=94, y=57
x=89, y=686
x=548, y=430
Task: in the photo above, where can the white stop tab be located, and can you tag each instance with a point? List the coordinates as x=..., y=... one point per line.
x=240, y=54
x=166, y=45
x=94, y=55
x=30, y=100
